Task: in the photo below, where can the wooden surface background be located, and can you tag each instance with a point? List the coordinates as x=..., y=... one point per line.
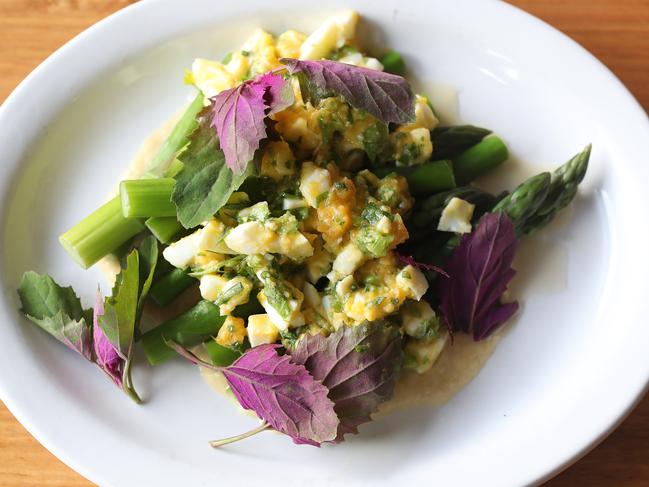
x=616, y=31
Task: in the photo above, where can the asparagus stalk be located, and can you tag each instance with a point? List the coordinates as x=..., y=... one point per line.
x=430, y=210
x=220, y=355
x=563, y=188
x=430, y=177
x=169, y=287
x=99, y=234
x=448, y=142
x=143, y=198
x=393, y=63
x=479, y=159
x=188, y=330
x=425, y=179
x=525, y=200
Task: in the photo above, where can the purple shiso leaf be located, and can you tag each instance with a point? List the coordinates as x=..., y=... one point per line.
x=107, y=357
x=278, y=92
x=239, y=115
x=359, y=365
x=283, y=394
x=479, y=272
x=386, y=96
x=409, y=260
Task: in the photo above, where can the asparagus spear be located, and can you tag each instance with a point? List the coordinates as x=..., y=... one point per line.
x=479, y=159
x=430, y=210
x=523, y=203
x=448, y=142
x=563, y=188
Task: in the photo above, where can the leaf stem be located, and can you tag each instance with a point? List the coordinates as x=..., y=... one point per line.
x=127, y=380
x=232, y=439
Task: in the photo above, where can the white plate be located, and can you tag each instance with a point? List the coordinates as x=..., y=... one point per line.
x=570, y=368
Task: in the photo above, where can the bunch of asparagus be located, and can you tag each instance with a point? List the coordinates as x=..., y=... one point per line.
x=533, y=204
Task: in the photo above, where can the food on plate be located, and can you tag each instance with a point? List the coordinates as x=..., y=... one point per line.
x=328, y=225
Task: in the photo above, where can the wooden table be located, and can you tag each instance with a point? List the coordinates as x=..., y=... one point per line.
x=616, y=31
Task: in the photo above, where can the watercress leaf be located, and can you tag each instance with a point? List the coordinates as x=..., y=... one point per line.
x=283, y=394
x=205, y=183
x=479, y=271
x=359, y=365
x=386, y=96
x=57, y=310
x=106, y=356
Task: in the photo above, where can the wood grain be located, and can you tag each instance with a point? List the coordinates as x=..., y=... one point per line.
x=616, y=31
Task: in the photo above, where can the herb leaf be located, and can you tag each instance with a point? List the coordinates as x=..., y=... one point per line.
x=479, y=271
x=386, y=96
x=57, y=310
x=205, y=183
x=118, y=322
x=106, y=356
x=120, y=310
x=148, y=262
x=283, y=394
x=359, y=365
x=239, y=116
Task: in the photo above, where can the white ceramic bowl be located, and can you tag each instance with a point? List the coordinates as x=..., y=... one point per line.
x=570, y=368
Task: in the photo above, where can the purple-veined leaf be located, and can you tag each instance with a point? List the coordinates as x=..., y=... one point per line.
x=278, y=92
x=283, y=394
x=409, y=260
x=479, y=271
x=359, y=365
x=106, y=356
x=386, y=96
x=239, y=116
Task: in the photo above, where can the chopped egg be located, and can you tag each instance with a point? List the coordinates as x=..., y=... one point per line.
x=347, y=261
x=315, y=182
x=181, y=253
x=271, y=236
x=418, y=319
x=261, y=330
x=331, y=35
x=456, y=216
x=421, y=355
x=232, y=332
x=211, y=238
x=284, y=311
x=211, y=77
x=289, y=44
x=413, y=282
x=278, y=161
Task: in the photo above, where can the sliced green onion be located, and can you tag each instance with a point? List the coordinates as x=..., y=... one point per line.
x=393, y=63
x=143, y=198
x=170, y=286
x=228, y=294
x=177, y=139
x=479, y=159
x=189, y=329
x=165, y=228
x=99, y=234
